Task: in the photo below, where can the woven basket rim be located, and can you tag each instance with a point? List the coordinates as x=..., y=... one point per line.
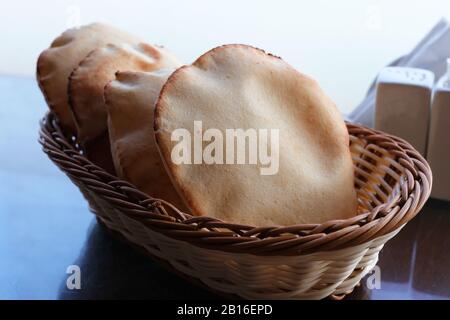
x=212, y=233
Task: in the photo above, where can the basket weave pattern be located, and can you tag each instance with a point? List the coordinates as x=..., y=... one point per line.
x=308, y=261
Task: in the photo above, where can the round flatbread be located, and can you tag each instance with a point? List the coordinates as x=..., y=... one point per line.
x=130, y=100
x=55, y=64
x=88, y=80
x=237, y=86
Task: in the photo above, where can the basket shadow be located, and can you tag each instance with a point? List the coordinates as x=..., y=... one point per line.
x=111, y=269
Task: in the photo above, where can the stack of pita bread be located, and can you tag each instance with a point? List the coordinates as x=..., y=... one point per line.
x=123, y=98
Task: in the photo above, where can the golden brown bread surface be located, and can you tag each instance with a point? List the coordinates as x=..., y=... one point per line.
x=55, y=64
x=130, y=100
x=88, y=80
x=237, y=86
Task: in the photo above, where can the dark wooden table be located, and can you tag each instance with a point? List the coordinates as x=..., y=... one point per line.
x=45, y=226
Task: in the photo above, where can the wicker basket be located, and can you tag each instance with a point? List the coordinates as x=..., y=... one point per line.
x=309, y=261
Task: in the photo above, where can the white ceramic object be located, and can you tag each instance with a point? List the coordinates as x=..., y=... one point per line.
x=438, y=154
x=402, y=106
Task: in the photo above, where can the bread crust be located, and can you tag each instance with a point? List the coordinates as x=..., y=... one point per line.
x=265, y=92
x=87, y=81
x=130, y=101
x=56, y=63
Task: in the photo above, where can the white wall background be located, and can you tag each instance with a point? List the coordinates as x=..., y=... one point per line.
x=341, y=43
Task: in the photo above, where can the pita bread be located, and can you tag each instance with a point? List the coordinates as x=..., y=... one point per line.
x=237, y=86
x=88, y=80
x=130, y=101
x=55, y=64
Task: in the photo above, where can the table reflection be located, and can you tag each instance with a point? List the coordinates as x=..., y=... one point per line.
x=416, y=263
